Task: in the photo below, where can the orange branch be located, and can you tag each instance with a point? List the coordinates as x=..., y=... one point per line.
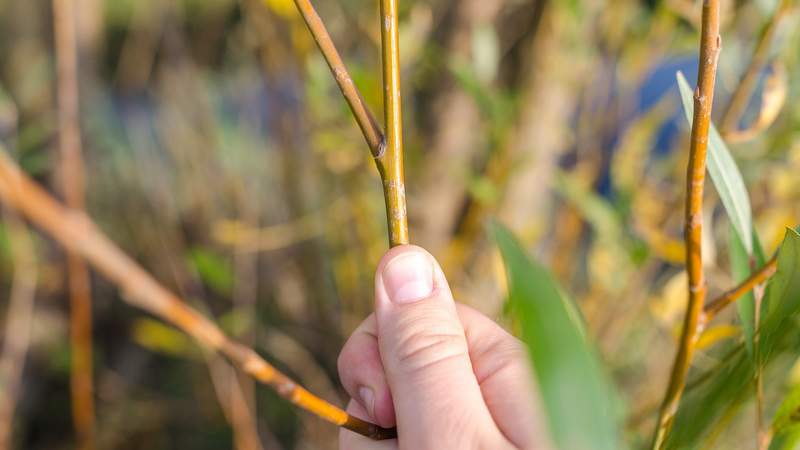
x=73, y=187
x=77, y=233
x=712, y=308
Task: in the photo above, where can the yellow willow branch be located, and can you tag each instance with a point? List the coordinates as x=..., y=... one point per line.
x=390, y=164
x=703, y=100
x=73, y=187
x=744, y=90
x=77, y=233
x=387, y=150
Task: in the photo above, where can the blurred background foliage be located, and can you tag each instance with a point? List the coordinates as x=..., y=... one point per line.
x=222, y=157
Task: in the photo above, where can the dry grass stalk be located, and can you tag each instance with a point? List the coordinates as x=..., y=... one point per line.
x=73, y=187
x=234, y=403
x=242, y=388
x=710, y=43
x=77, y=233
x=19, y=319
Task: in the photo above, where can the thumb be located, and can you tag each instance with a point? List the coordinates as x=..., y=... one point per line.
x=424, y=351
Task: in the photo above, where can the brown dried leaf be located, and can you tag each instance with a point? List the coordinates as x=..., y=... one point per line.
x=776, y=88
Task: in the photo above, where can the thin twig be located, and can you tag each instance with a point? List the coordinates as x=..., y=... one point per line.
x=73, y=188
x=744, y=90
x=76, y=232
x=366, y=120
x=703, y=99
x=718, y=304
x=758, y=378
x=19, y=318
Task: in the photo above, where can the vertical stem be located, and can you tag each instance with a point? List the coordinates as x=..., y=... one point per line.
x=73, y=188
x=694, y=320
x=390, y=161
x=762, y=439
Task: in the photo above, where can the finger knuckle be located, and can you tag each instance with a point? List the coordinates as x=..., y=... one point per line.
x=501, y=357
x=421, y=348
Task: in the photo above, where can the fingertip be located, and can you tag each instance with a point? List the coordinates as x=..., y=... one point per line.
x=399, y=250
x=383, y=412
x=362, y=374
x=406, y=274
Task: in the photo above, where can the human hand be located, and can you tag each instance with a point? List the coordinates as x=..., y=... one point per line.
x=447, y=376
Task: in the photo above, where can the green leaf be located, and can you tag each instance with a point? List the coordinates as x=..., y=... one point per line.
x=215, y=271
x=783, y=295
x=724, y=173
x=579, y=401
x=741, y=270
x=786, y=440
x=160, y=337
x=788, y=414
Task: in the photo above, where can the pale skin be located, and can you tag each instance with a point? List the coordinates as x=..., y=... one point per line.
x=447, y=376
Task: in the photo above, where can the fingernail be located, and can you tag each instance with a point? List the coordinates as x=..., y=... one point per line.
x=408, y=277
x=367, y=400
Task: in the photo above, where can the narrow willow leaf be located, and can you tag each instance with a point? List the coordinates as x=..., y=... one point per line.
x=579, y=401
x=788, y=414
x=731, y=382
x=741, y=270
x=783, y=295
x=724, y=173
x=786, y=440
